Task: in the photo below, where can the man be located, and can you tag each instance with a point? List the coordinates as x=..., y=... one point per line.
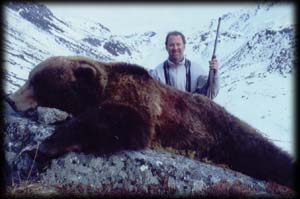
x=181, y=73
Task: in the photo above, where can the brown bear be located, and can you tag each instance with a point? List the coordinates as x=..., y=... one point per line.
x=118, y=106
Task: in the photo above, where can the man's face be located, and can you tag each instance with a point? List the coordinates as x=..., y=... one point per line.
x=175, y=48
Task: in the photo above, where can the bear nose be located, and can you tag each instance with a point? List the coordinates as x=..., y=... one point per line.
x=10, y=102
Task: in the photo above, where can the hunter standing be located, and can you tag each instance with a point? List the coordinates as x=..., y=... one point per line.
x=181, y=73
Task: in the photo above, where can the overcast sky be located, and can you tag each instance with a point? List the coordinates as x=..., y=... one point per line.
x=145, y=16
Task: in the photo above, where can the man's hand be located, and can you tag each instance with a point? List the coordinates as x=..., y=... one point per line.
x=213, y=64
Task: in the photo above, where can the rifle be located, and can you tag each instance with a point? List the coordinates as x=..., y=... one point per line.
x=212, y=71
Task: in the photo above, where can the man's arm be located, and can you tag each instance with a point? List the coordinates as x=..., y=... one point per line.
x=216, y=85
x=202, y=81
x=153, y=74
x=202, y=85
x=156, y=74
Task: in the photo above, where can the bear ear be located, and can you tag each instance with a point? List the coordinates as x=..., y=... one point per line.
x=85, y=72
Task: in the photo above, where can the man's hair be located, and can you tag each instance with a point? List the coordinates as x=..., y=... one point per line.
x=175, y=33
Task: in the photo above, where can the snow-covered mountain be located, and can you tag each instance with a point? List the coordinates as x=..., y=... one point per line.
x=33, y=33
x=255, y=50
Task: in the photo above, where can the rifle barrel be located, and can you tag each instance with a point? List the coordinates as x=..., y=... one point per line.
x=211, y=71
x=216, y=39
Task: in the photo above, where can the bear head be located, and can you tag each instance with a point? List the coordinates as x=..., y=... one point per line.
x=68, y=83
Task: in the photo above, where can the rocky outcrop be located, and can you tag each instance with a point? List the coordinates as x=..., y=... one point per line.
x=148, y=171
x=37, y=14
x=142, y=172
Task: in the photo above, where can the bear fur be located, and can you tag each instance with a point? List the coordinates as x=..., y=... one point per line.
x=118, y=106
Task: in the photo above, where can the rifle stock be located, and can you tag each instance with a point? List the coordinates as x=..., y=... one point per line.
x=212, y=71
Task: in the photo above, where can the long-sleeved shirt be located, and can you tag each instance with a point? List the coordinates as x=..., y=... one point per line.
x=177, y=76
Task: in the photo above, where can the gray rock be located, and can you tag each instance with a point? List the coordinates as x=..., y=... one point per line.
x=137, y=168
x=20, y=132
x=51, y=115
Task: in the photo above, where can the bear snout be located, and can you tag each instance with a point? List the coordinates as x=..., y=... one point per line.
x=10, y=102
x=22, y=100
x=31, y=112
